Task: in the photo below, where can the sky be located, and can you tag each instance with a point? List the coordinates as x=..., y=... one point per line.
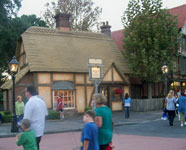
x=112, y=9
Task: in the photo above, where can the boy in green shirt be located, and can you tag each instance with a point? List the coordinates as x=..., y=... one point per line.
x=27, y=137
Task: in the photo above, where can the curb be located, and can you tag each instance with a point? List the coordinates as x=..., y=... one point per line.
x=79, y=129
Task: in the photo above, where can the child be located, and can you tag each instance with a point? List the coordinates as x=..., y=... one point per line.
x=60, y=106
x=89, y=138
x=27, y=137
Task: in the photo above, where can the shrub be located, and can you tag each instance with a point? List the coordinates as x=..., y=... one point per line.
x=4, y=113
x=7, y=118
x=52, y=115
x=88, y=108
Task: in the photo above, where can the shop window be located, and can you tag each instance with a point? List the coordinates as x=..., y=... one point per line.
x=117, y=93
x=67, y=98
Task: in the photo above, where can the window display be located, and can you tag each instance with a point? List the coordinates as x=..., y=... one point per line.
x=117, y=93
x=67, y=98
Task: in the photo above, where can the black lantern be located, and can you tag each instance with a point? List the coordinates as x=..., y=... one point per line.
x=165, y=70
x=13, y=64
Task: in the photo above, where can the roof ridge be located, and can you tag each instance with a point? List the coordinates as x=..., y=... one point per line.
x=44, y=30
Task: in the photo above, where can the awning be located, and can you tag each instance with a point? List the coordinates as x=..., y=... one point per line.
x=63, y=85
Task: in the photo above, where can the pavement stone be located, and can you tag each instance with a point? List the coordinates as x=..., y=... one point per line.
x=75, y=123
x=71, y=141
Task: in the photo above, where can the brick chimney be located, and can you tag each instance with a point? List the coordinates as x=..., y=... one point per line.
x=105, y=28
x=62, y=21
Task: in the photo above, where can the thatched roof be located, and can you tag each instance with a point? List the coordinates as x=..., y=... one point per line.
x=52, y=50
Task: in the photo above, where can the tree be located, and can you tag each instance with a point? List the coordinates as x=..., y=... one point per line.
x=20, y=24
x=10, y=34
x=84, y=14
x=150, y=38
x=8, y=9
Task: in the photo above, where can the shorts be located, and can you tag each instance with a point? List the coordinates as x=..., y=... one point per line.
x=182, y=117
x=60, y=110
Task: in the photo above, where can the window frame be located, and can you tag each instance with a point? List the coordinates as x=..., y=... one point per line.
x=64, y=96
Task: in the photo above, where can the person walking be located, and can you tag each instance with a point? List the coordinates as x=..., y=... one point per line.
x=170, y=107
x=60, y=106
x=19, y=109
x=127, y=104
x=27, y=137
x=89, y=136
x=103, y=121
x=35, y=111
x=181, y=108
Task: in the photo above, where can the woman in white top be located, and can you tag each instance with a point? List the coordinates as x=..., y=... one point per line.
x=127, y=103
x=170, y=106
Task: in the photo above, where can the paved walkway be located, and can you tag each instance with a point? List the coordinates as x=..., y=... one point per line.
x=75, y=123
x=71, y=141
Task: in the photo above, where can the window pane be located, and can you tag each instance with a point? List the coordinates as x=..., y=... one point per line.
x=55, y=93
x=69, y=93
x=67, y=98
x=117, y=93
x=55, y=101
x=61, y=93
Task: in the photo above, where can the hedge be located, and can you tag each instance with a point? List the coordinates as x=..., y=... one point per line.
x=88, y=108
x=53, y=115
x=7, y=117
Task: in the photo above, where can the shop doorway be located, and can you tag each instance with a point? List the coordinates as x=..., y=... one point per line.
x=105, y=90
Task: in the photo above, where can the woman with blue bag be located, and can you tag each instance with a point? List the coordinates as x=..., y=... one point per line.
x=127, y=104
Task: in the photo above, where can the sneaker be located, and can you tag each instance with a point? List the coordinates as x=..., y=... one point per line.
x=185, y=123
x=181, y=125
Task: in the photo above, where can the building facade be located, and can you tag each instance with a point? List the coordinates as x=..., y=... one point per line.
x=177, y=80
x=55, y=61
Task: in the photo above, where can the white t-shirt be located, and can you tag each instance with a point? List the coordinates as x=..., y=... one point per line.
x=35, y=111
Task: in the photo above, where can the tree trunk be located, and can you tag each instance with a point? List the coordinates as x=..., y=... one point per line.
x=149, y=90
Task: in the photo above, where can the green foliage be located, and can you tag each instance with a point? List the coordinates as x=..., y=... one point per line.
x=88, y=108
x=84, y=14
x=9, y=33
x=150, y=38
x=53, y=115
x=9, y=8
x=20, y=24
x=4, y=113
x=7, y=117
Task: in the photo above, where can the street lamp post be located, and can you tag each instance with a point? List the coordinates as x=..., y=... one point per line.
x=165, y=70
x=13, y=69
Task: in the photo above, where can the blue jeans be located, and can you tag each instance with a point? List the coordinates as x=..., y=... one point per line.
x=127, y=114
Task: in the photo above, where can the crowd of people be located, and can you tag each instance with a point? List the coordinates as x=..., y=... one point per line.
x=98, y=127
x=32, y=118
x=175, y=104
x=97, y=131
x=96, y=134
